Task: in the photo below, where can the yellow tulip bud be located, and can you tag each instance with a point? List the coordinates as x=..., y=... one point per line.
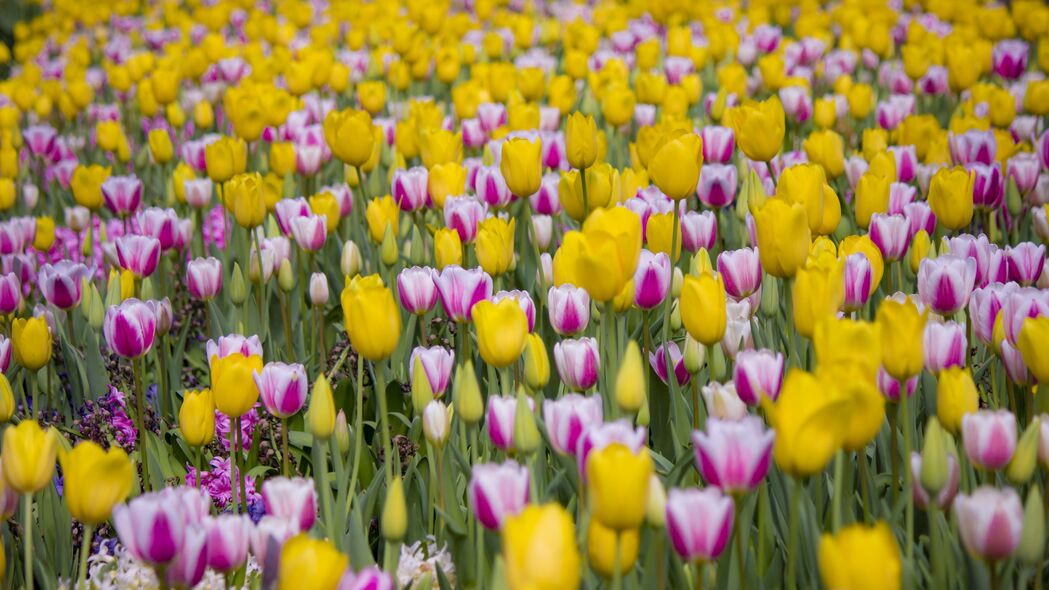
x=581, y=140
x=31, y=340
x=951, y=197
x=540, y=549
x=783, y=237
x=674, y=168
x=630, y=380
x=818, y=292
x=901, y=328
x=321, y=413
x=372, y=317
x=467, y=393
x=536, y=363
x=859, y=556
x=956, y=396
x=282, y=158
x=521, y=166
x=448, y=248
x=7, y=400
x=759, y=128
x=28, y=456
x=382, y=212
x=232, y=383
x=310, y=563
x=422, y=391
x=495, y=245
x=811, y=423
x=601, y=547
x=348, y=135
x=526, y=433
x=95, y=481
x=618, y=482
x=196, y=417
x=160, y=146
x=394, y=512
x=501, y=331
x=1031, y=343
x=703, y=308
x=44, y=237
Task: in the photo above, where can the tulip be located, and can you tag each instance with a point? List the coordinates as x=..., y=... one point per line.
x=437, y=362
x=609, y=550
x=196, y=417
x=783, y=237
x=602, y=182
x=1031, y=344
x=349, y=135
x=718, y=144
x=409, y=188
x=759, y=128
x=520, y=165
x=369, y=578
x=733, y=455
x=539, y=548
x=658, y=361
x=1025, y=262
x=373, y=320
x=32, y=342
x=495, y=245
x=547, y=201
x=228, y=536
x=990, y=521
x=651, y=279
x=268, y=538
x=436, y=419
x=806, y=405
x=310, y=232
x=946, y=495
x=717, y=185
x=578, y=363
x=130, y=328
x=859, y=556
x=944, y=346
x=187, y=569
x=892, y=235
x=62, y=282
x=501, y=331
x=989, y=437
x=569, y=309
x=675, y=166
x=416, y=290
x=310, y=563
x=568, y=417
x=381, y=213
x=618, y=484
x=86, y=184
x=282, y=387
x=699, y=522
x=292, y=500
x=857, y=274
x=723, y=402
x=901, y=326
x=946, y=282
x=232, y=383
x=447, y=248
x=464, y=215
x=94, y=481
x=138, y=254
x=601, y=435
x=523, y=300
x=703, y=308
x=803, y=184
x=162, y=224
x=461, y=289
x=580, y=140
x=951, y=197
x=28, y=456
x=497, y=492
x=204, y=277
x=10, y=293
x=122, y=194
x=818, y=292
x=152, y=527
x=499, y=417
x=1023, y=169
x=227, y=345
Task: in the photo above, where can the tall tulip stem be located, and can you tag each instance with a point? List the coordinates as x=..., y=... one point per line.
x=586, y=198
x=27, y=510
x=792, y=559
x=617, y=573
x=140, y=417
x=358, y=429
x=241, y=478
x=905, y=425
x=85, y=552
x=284, y=459
x=741, y=557
x=384, y=420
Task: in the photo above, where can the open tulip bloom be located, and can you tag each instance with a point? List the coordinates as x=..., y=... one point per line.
x=351, y=295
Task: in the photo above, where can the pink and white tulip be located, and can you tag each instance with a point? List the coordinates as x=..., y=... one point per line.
x=497, y=491
x=699, y=522
x=945, y=283
x=437, y=362
x=944, y=345
x=757, y=374
x=282, y=388
x=569, y=309
x=733, y=455
x=652, y=279
x=989, y=437
x=990, y=521
x=416, y=289
x=291, y=499
x=129, y=328
x=578, y=363
x=569, y=417
x=204, y=277
x=460, y=289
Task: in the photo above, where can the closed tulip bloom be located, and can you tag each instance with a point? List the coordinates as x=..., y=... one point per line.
x=437, y=361
x=409, y=188
x=447, y=248
x=669, y=353
x=568, y=418
x=857, y=274
x=734, y=455
x=501, y=331
x=547, y=201
x=32, y=342
x=28, y=456
x=153, y=526
x=196, y=417
x=605, y=546
x=310, y=563
x=310, y=232
x=703, y=308
x=699, y=523
x=989, y=437
x=10, y=292
x=892, y=235
x=618, y=484
x=416, y=290
x=901, y=326
x=204, y=277
x=1031, y=344
x=162, y=224
x=951, y=197
x=674, y=168
x=988, y=186
x=651, y=279
x=717, y=185
x=944, y=346
x=464, y=215
x=811, y=422
x=718, y=144
x=282, y=387
x=187, y=569
x=803, y=184
x=348, y=134
x=293, y=500
x=581, y=140
x=956, y=397
x=759, y=128
x=539, y=547
x=1023, y=169
x=740, y=271
x=227, y=345
x=945, y=283
x=523, y=300
x=861, y=557
x=1025, y=262
x=758, y=374
x=122, y=194
x=495, y=245
x=946, y=496
x=129, y=328
x=497, y=491
x=818, y=292
x=783, y=237
x=722, y=401
x=1018, y=305
x=232, y=383
x=461, y=289
x=373, y=319
x=521, y=165
x=578, y=363
x=62, y=283
x=491, y=189
x=698, y=230
x=138, y=254
x=228, y=536
x=381, y=213
x=86, y=184
x=499, y=418
x=827, y=149
x=990, y=521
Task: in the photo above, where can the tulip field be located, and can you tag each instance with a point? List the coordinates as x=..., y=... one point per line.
x=524, y=294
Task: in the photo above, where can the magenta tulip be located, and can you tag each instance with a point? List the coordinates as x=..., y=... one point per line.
x=990, y=521
x=129, y=328
x=568, y=417
x=291, y=499
x=282, y=388
x=652, y=279
x=497, y=491
x=138, y=254
x=204, y=277
x=734, y=455
x=569, y=309
x=699, y=522
x=945, y=283
x=989, y=437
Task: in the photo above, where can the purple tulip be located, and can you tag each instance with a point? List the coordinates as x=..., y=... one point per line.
x=717, y=185
x=718, y=144
x=988, y=186
x=62, y=283
x=921, y=217
x=523, y=300
x=187, y=570
x=162, y=224
x=698, y=230
x=369, y=578
x=10, y=293
x=460, y=289
x=310, y=231
x=568, y=418
x=578, y=362
x=944, y=345
x=891, y=234
x=652, y=279
x=288, y=210
x=599, y=436
x=757, y=374
x=989, y=437
x=409, y=188
x=138, y=254
x=152, y=527
x=268, y=537
x=890, y=386
x=204, y=277
x=463, y=214
x=497, y=491
x=658, y=361
x=227, y=345
x=1024, y=262
x=5, y=354
x=973, y=147
x=990, y=521
x=499, y=417
x=906, y=162
x=945, y=283
x=984, y=305
x=946, y=495
x=546, y=200
x=1009, y=59
x=437, y=361
x=699, y=522
x=490, y=188
x=291, y=499
x=416, y=289
x=1023, y=168
x=733, y=455
x=228, y=537
x=858, y=275
x=122, y=194
x=900, y=195
x=569, y=309
x=129, y=328
x=282, y=387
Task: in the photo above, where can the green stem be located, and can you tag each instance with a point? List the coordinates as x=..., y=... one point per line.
x=233, y=466
x=839, y=476
x=586, y=200
x=893, y=452
x=241, y=477
x=384, y=421
x=792, y=559
x=285, y=459
x=320, y=473
x=85, y=552
x=358, y=428
x=865, y=492
x=617, y=575
x=140, y=415
x=906, y=426
x=27, y=510
x=741, y=557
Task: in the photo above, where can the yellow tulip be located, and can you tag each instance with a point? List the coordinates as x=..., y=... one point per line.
x=160, y=146
x=501, y=331
x=87, y=185
x=372, y=96
x=327, y=205
x=818, y=292
x=601, y=183
x=617, y=481
x=495, y=245
x=232, y=383
x=7, y=193
x=951, y=197
x=44, y=235
x=244, y=197
x=674, y=168
x=859, y=557
x=165, y=85
x=521, y=165
x=827, y=149
x=310, y=563
x=1036, y=99
x=617, y=105
x=349, y=134
x=196, y=417
x=536, y=363
x=282, y=158
x=7, y=400
x=660, y=231
x=703, y=308
x=811, y=423
x=522, y=117
x=28, y=456
x=581, y=140
x=540, y=550
x=445, y=180
x=601, y=547
x=875, y=141
x=861, y=99
x=803, y=184
x=630, y=380
x=783, y=237
x=956, y=396
x=602, y=258
x=382, y=212
x=759, y=128
x=447, y=248
x=31, y=339
x=439, y=146
x=321, y=413
x=95, y=481
x=109, y=135
x=1031, y=342
x=963, y=69
x=901, y=328
x=372, y=317
x=824, y=114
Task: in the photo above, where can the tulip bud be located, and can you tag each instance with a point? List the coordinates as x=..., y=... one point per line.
x=418, y=251
x=87, y=243
x=7, y=400
x=394, y=512
x=388, y=249
x=1013, y=200
x=694, y=355
x=422, y=391
x=96, y=310
x=630, y=381
x=537, y=363
x=238, y=289
x=656, y=506
x=322, y=409
x=437, y=425
x=1025, y=457
x=753, y=194
x=285, y=276
x=675, y=316
x=318, y=289
x=526, y=434
x=342, y=433
x=255, y=270
x=350, y=261
x=146, y=291
x=921, y=245
x=716, y=362
x=700, y=264
x=769, y=297
x=934, y=473
x=644, y=417
x=1032, y=537
x=468, y=402
x=113, y=295
x=676, y=282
